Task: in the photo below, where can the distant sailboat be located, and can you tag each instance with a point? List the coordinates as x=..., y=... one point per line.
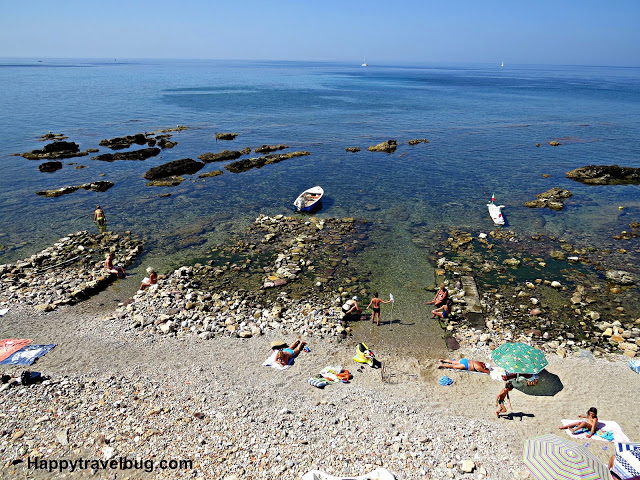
x=502, y=64
x=364, y=62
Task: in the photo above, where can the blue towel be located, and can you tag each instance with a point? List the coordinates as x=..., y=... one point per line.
x=634, y=365
x=444, y=381
x=27, y=355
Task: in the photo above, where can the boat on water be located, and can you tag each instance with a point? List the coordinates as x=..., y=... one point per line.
x=309, y=200
x=495, y=211
x=502, y=64
x=364, y=62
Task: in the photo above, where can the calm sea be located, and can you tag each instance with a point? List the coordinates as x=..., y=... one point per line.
x=482, y=123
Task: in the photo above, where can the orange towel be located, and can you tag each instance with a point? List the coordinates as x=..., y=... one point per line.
x=12, y=345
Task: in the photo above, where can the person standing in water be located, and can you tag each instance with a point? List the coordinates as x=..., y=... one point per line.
x=374, y=304
x=100, y=219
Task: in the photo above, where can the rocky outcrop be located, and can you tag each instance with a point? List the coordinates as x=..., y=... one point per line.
x=552, y=198
x=270, y=148
x=220, y=157
x=226, y=136
x=100, y=186
x=554, y=143
x=52, y=136
x=249, y=163
x=119, y=143
x=388, y=147
x=620, y=277
x=49, y=167
x=416, y=141
x=185, y=166
x=55, y=150
x=69, y=271
x=605, y=175
x=173, y=181
x=352, y=149
x=141, y=154
x=164, y=143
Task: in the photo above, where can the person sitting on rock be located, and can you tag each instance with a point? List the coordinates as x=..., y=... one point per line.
x=110, y=268
x=152, y=279
x=287, y=355
x=440, y=298
x=444, y=310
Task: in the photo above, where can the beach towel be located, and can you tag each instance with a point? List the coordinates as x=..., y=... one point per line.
x=3, y=312
x=27, y=355
x=10, y=345
x=271, y=362
x=608, y=431
x=378, y=474
x=634, y=365
x=445, y=381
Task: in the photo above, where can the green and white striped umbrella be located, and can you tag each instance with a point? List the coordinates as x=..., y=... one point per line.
x=552, y=458
x=519, y=358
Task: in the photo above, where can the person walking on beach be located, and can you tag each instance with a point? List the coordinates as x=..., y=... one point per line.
x=100, y=219
x=374, y=304
x=504, y=393
x=440, y=298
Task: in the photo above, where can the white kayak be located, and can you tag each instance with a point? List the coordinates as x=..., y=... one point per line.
x=496, y=214
x=379, y=474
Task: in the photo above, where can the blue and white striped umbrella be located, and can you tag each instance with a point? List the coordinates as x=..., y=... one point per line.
x=627, y=461
x=552, y=458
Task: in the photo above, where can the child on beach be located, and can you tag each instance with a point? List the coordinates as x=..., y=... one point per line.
x=504, y=393
x=374, y=304
x=590, y=423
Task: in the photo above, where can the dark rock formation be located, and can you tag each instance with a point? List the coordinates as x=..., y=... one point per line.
x=352, y=149
x=118, y=143
x=100, y=186
x=215, y=173
x=185, y=166
x=552, y=198
x=164, y=143
x=416, y=141
x=141, y=154
x=55, y=150
x=249, y=163
x=226, y=136
x=49, y=167
x=388, y=146
x=270, y=148
x=606, y=175
x=219, y=157
x=52, y=136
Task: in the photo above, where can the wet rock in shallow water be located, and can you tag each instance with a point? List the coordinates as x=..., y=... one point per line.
x=185, y=166
x=99, y=186
x=55, y=150
x=388, y=147
x=140, y=154
x=214, y=173
x=226, y=136
x=554, y=143
x=166, y=182
x=48, y=167
x=605, y=175
x=512, y=262
x=416, y=141
x=270, y=148
x=352, y=149
x=221, y=156
x=557, y=255
x=620, y=277
x=552, y=198
x=249, y=163
x=118, y=143
x=164, y=143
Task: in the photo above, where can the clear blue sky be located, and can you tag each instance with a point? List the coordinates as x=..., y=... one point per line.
x=577, y=32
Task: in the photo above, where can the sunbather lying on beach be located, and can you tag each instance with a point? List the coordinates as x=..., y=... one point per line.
x=286, y=355
x=464, y=364
x=590, y=423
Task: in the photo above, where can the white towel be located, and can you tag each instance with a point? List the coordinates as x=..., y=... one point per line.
x=607, y=426
x=271, y=362
x=3, y=311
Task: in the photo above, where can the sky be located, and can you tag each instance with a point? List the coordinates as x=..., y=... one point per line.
x=559, y=32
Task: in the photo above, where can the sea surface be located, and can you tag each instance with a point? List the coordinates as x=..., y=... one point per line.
x=482, y=123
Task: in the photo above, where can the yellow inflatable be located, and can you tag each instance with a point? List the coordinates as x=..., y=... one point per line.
x=363, y=355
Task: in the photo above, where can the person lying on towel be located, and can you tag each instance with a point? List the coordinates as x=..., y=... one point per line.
x=286, y=355
x=590, y=423
x=464, y=364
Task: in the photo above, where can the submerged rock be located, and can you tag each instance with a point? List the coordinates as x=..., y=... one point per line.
x=620, y=277
x=141, y=154
x=249, y=163
x=214, y=173
x=184, y=166
x=605, y=175
x=270, y=148
x=552, y=198
x=416, y=141
x=99, y=186
x=221, y=156
x=352, y=149
x=388, y=146
x=173, y=181
x=55, y=150
x=49, y=167
x=118, y=143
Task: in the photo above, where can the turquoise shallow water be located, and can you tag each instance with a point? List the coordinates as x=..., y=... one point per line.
x=482, y=122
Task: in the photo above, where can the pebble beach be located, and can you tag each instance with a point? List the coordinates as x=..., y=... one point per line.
x=173, y=377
